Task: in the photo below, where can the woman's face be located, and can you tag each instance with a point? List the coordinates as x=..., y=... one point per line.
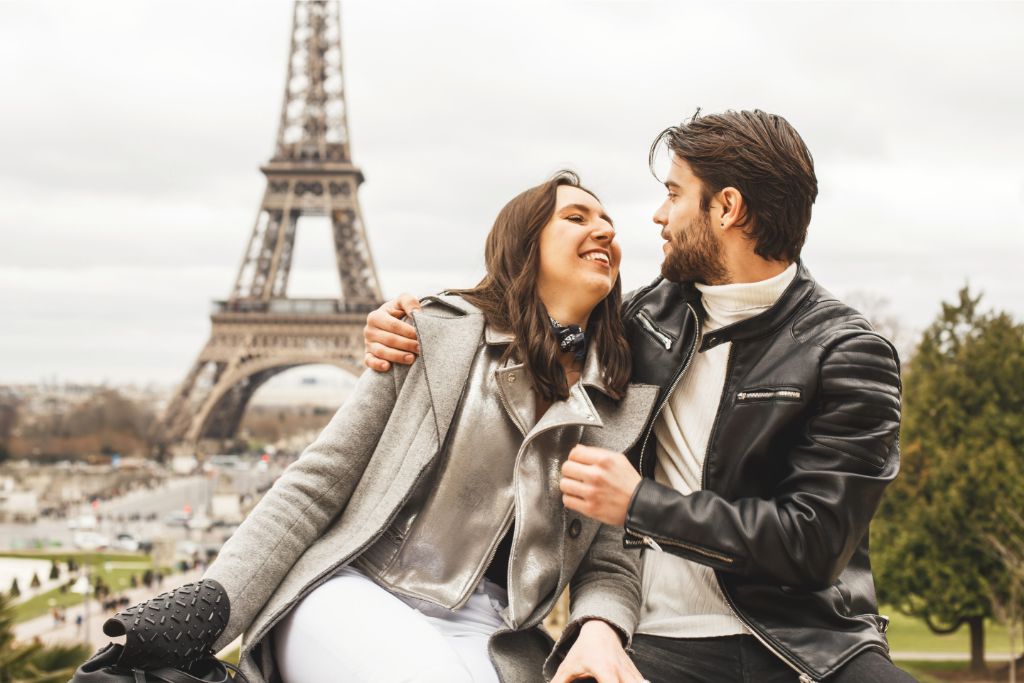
x=579, y=255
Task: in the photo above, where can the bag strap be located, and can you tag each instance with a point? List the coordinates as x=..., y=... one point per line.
x=169, y=675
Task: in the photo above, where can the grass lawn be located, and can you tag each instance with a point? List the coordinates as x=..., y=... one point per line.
x=924, y=671
x=907, y=634
x=117, y=578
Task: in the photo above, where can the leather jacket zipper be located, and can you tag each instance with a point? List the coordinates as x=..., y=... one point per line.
x=649, y=325
x=803, y=676
x=647, y=540
x=654, y=542
x=668, y=394
x=767, y=394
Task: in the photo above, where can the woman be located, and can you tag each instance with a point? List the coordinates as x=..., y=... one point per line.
x=422, y=536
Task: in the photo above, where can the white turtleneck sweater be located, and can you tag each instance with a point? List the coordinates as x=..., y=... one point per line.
x=681, y=599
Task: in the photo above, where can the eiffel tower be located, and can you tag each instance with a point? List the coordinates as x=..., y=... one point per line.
x=259, y=331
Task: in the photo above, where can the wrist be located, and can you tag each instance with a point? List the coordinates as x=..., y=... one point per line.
x=598, y=628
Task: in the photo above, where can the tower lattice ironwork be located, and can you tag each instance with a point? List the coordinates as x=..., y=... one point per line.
x=259, y=330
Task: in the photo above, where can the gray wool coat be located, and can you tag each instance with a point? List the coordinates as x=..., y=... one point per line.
x=340, y=495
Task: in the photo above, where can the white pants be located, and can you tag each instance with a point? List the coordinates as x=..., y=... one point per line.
x=350, y=629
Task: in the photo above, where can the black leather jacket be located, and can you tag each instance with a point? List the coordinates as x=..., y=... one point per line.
x=802, y=447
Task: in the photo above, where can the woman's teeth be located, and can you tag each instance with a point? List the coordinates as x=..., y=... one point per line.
x=596, y=256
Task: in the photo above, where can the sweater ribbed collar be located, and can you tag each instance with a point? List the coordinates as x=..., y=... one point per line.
x=732, y=303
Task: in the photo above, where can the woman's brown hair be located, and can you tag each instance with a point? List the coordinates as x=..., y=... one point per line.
x=508, y=297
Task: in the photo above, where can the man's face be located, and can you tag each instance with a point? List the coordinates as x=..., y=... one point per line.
x=693, y=249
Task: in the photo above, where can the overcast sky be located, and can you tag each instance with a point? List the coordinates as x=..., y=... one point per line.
x=131, y=135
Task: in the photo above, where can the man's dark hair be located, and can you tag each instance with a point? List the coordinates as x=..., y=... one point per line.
x=763, y=157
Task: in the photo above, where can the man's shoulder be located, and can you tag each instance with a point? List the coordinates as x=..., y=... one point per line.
x=824, y=320
x=658, y=291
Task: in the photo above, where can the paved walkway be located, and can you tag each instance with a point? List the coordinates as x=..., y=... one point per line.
x=91, y=630
x=947, y=656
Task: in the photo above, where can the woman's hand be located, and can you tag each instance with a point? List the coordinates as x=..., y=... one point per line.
x=387, y=338
x=598, y=654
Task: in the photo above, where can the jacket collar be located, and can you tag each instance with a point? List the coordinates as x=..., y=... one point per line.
x=592, y=375
x=761, y=324
x=447, y=365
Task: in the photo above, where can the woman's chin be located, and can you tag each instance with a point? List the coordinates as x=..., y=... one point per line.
x=591, y=290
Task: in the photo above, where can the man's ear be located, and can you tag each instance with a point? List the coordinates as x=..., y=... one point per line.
x=734, y=208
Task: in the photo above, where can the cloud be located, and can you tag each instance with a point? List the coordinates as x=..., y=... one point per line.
x=129, y=173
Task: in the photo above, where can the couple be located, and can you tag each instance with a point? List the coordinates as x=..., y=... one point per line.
x=698, y=462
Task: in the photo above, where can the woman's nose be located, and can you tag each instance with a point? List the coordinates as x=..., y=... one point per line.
x=605, y=231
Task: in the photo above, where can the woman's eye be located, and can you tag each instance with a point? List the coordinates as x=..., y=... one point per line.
x=576, y=218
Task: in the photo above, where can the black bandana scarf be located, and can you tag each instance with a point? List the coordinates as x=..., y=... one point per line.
x=570, y=338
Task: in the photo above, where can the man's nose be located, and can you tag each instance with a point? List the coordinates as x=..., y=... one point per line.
x=660, y=216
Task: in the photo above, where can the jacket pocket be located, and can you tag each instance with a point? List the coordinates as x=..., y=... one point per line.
x=783, y=393
x=663, y=338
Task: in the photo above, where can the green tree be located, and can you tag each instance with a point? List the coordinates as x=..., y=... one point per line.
x=963, y=439
x=34, y=662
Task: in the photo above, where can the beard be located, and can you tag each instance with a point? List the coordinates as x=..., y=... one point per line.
x=695, y=254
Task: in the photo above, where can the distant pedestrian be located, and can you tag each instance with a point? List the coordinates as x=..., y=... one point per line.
x=78, y=623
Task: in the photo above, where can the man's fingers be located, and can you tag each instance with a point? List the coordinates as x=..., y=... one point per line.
x=575, y=504
x=371, y=361
x=392, y=341
x=575, y=470
x=386, y=319
x=588, y=455
x=407, y=303
x=385, y=353
x=571, y=487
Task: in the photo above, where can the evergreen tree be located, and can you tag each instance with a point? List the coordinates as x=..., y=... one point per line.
x=962, y=471
x=15, y=590
x=33, y=661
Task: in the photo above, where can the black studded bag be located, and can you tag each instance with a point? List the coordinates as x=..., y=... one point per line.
x=169, y=638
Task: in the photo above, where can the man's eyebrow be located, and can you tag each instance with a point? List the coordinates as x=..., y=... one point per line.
x=671, y=185
x=586, y=209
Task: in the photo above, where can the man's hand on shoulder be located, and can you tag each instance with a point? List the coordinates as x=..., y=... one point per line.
x=389, y=339
x=597, y=654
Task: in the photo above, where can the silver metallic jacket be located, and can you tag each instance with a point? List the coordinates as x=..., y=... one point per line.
x=356, y=496
x=500, y=464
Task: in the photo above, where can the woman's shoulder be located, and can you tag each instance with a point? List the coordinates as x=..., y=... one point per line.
x=446, y=304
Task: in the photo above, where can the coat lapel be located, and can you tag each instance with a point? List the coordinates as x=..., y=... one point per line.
x=447, y=365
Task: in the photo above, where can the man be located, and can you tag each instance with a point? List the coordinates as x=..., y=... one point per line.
x=774, y=437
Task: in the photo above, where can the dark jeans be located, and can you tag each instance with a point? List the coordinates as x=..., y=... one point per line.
x=741, y=659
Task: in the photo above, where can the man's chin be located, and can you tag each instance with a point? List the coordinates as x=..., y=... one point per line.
x=672, y=272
